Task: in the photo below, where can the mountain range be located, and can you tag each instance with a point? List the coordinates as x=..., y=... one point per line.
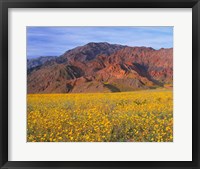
x=101, y=67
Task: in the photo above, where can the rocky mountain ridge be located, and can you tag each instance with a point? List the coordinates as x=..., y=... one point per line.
x=103, y=67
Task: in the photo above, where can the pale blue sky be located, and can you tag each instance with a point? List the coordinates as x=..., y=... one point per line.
x=54, y=41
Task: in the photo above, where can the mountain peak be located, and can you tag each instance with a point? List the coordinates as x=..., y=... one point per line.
x=97, y=43
x=90, y=51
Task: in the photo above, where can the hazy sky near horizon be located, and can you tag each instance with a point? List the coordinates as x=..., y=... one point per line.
x=54, y=41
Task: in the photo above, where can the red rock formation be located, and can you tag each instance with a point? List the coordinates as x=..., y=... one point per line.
x=102, y=67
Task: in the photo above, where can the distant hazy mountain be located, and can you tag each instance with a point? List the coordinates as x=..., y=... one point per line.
x=101, y=67
x=31, y=63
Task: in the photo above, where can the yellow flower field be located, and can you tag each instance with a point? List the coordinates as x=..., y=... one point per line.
x=142, y=116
